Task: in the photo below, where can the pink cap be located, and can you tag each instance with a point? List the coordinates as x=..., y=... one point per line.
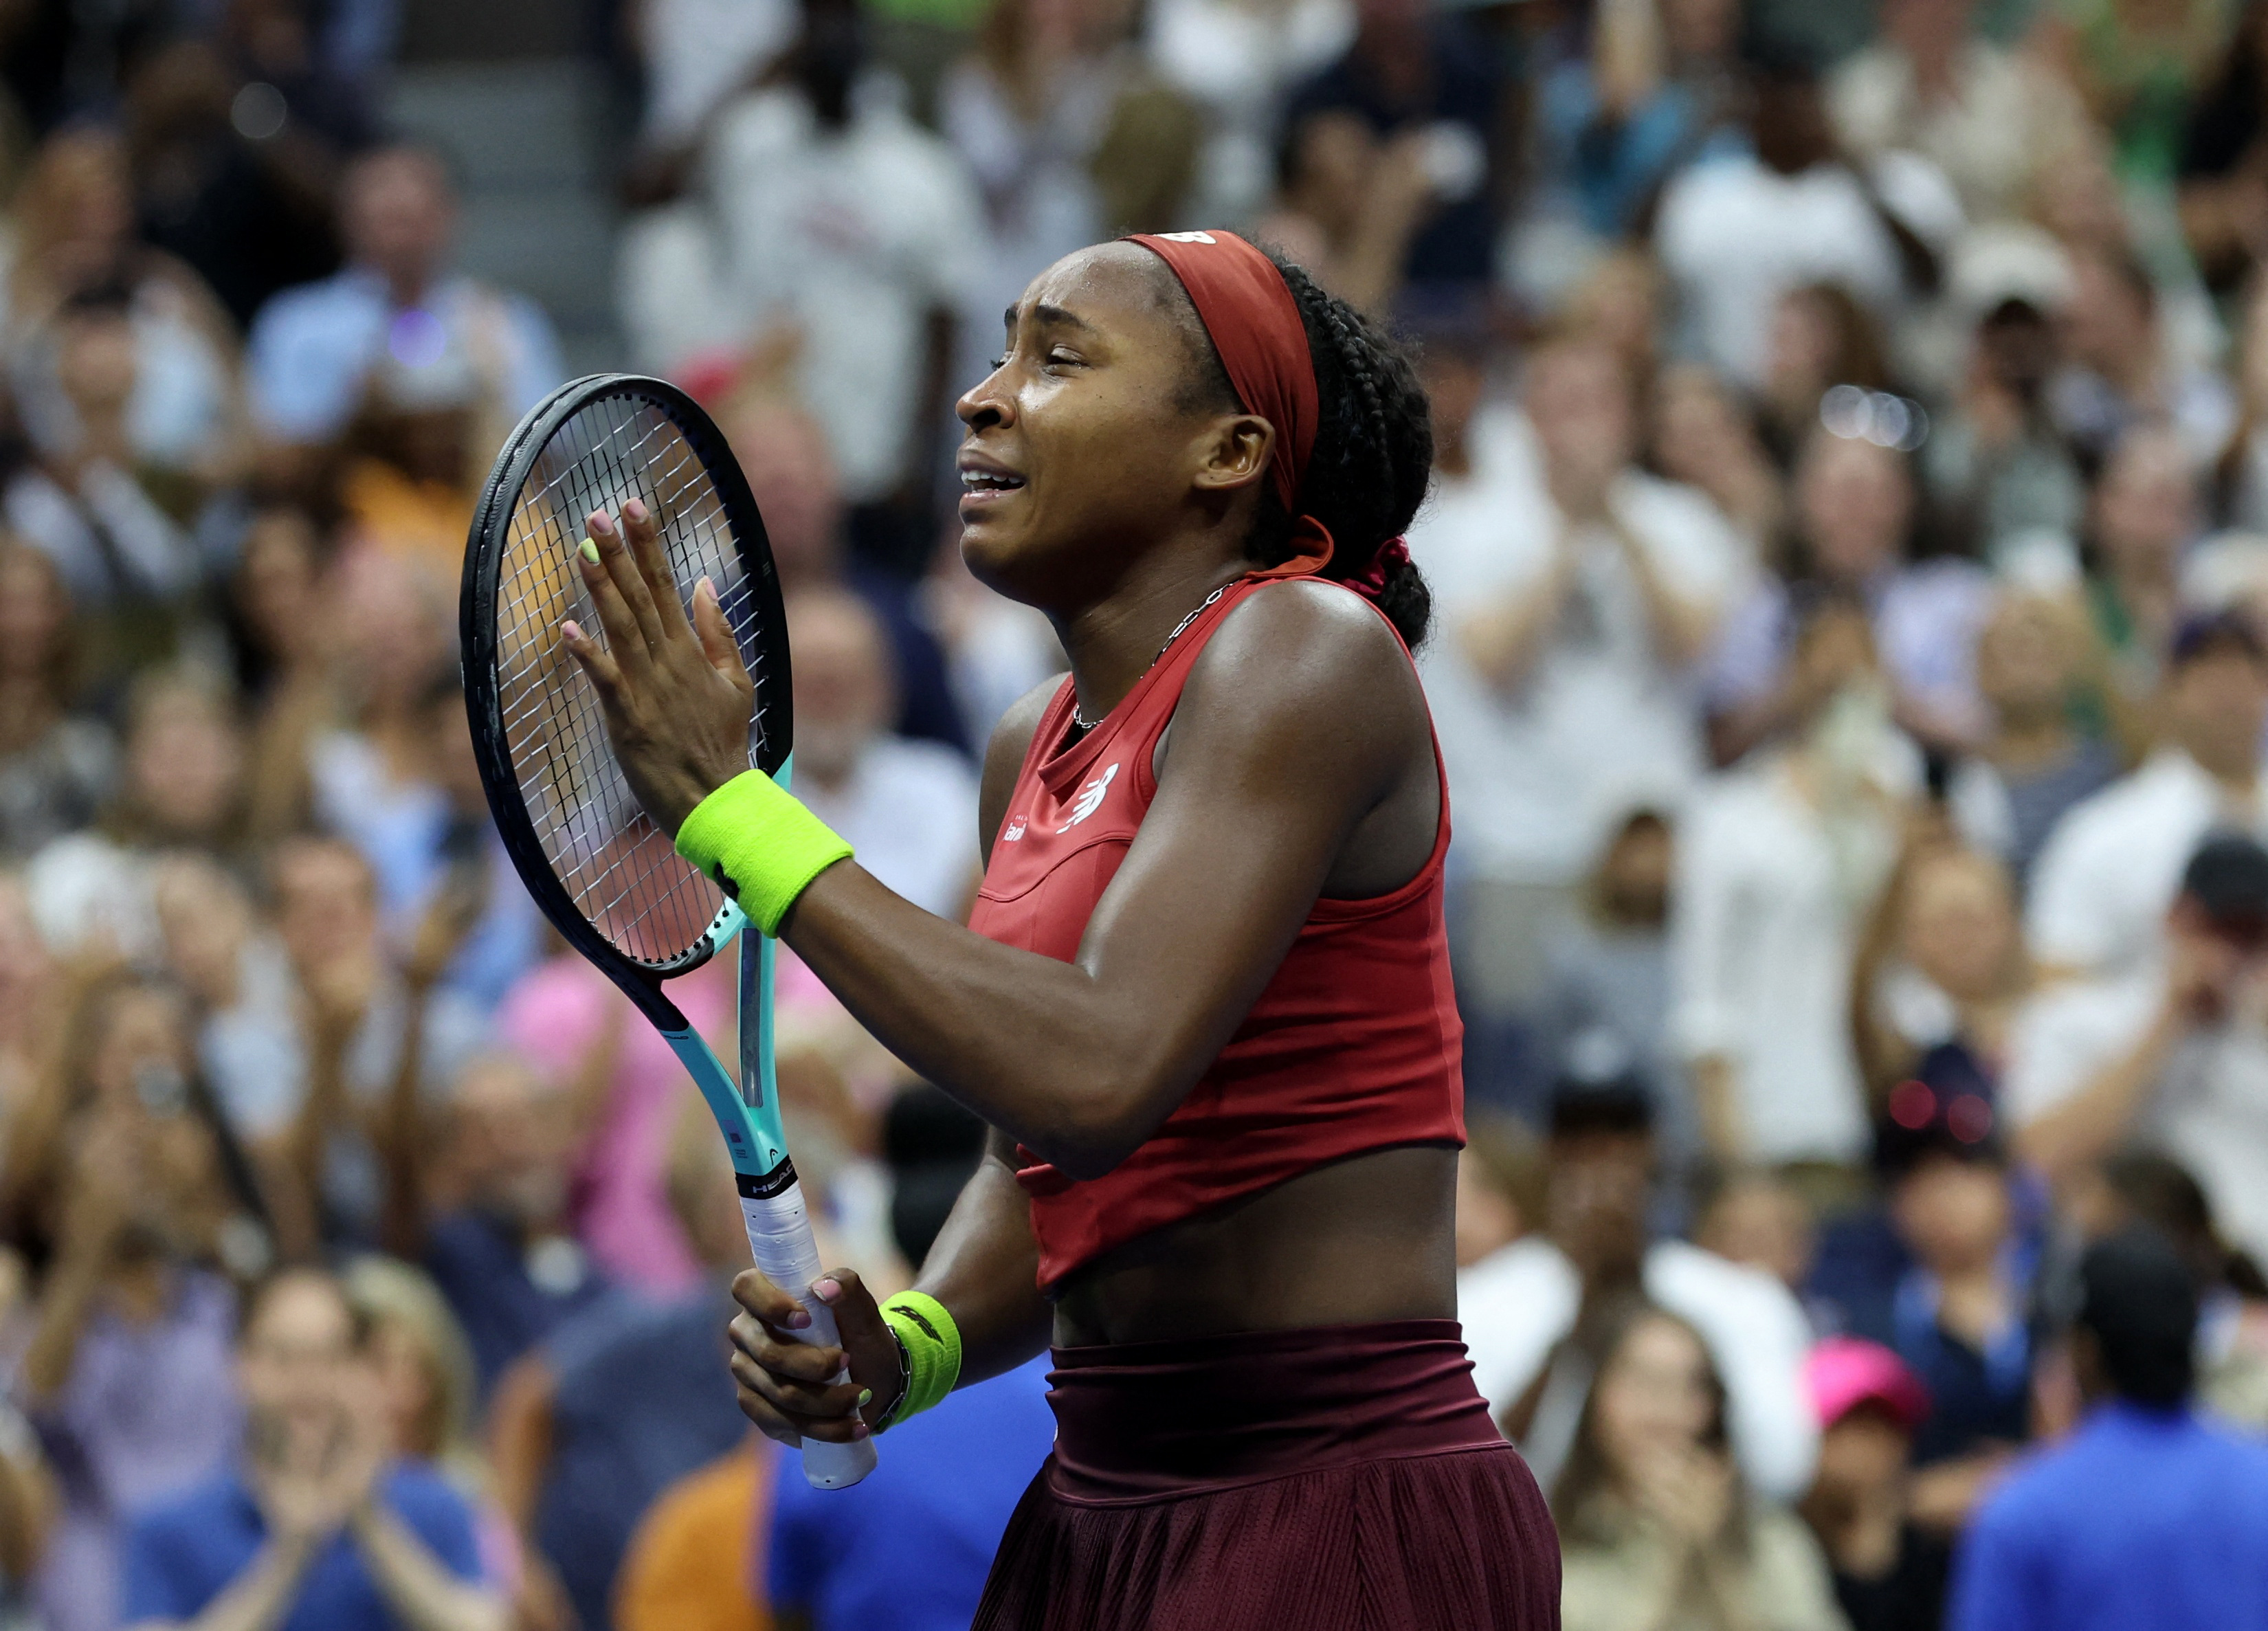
x=1842, y=1373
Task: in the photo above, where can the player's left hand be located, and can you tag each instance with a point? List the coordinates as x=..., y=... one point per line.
x=788, y=1388
x=676, y=698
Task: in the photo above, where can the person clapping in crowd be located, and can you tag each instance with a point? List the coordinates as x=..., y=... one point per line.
x=321, y=1523
x=1657, y=1526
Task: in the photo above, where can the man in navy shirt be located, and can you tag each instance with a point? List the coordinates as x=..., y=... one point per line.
x=320, y=1529
x=2148, y=1518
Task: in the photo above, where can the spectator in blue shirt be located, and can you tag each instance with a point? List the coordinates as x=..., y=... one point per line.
x=314, y=1531
x=505, y=1257
x=2148, y=1518
x=910, y=1546
x=312, y=348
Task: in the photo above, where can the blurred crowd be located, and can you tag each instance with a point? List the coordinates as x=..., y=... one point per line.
x=1850, y=546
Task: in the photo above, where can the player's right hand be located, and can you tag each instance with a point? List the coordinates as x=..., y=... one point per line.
x=787, y=1387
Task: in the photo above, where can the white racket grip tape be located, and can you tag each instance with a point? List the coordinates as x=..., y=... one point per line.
x=779, y=1235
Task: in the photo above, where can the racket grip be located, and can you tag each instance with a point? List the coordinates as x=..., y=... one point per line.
x=779, y=1238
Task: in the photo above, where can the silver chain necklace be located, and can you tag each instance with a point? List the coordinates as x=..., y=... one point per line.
x=1180, y=629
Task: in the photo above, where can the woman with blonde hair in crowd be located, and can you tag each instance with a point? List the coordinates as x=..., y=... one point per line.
x=1940, y=967
x=1657, y=1531
x=424, y=1369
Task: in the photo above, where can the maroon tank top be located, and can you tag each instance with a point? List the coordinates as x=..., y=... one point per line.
x=1354, y=1045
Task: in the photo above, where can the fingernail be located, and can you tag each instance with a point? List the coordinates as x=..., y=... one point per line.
x=602, y=523
x=705, y=588
x=589, y=551
x=826, y=1290
x=633, y=510
x=860, y=1430
x=798, y=1320
x=572, y=629
x=866, y=1397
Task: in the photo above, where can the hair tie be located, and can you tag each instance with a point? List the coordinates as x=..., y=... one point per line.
x=1371, y=582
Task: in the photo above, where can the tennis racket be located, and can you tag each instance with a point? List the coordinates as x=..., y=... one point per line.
x=608, y=878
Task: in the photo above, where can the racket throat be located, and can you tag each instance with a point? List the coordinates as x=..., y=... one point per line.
x=770, y=1185
x=752, y=1133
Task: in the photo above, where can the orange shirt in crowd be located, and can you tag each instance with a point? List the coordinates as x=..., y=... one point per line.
x=692, y=1564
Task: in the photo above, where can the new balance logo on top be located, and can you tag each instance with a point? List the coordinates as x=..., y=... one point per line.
x=1015, y=831
x=1089, y=800
x=1188, y=238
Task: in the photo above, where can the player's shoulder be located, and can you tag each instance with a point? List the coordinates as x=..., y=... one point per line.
x=1303, y=635
x=1308, y=669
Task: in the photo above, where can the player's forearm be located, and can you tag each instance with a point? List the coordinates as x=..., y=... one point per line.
x=985, y=1268
x=1078, y=1067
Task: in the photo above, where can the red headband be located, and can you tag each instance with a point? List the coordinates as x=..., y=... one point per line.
x=1246, y=307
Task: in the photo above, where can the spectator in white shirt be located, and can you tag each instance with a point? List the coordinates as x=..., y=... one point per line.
x=1531, y=1308
x=2174, y=1060
x=1739, y=230
x=1579, y=591
x=2113, y=864
x=824, y=214
x=908, y=807
x=1777, y=861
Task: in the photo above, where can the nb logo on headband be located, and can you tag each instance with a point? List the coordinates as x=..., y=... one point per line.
x=1188, y=238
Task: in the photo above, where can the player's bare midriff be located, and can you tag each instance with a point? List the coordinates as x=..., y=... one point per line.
x=1367, y=1239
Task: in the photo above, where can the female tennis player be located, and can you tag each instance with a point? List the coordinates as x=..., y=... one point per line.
x=1204, y=995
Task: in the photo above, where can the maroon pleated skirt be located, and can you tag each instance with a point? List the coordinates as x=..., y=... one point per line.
x=1343, y=1479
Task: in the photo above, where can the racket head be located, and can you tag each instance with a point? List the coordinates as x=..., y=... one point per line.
x=606, y=876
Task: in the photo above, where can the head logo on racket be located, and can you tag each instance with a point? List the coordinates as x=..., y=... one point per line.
x=1089, y=800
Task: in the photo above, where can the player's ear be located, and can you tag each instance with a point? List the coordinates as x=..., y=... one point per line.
x=1234, y=453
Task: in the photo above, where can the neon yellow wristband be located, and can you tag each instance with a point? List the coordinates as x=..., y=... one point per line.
x=931, y=1343
x=759, y=844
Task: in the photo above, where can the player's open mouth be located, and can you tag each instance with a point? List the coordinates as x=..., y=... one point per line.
x=984, y=482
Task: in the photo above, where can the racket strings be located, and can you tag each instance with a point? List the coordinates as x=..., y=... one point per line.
x=620, y=871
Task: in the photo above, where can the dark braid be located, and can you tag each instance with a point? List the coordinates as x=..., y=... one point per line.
x=1374, y=451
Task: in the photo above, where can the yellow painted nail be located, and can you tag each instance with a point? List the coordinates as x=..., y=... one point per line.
x=866, y=1397
x=589, y=551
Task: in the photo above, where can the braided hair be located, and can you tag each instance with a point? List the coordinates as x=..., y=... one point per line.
x=1373, y=449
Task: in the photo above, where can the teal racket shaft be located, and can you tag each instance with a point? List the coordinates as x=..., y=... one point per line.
x=780, y=1237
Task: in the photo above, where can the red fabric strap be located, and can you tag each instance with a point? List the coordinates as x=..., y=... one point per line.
x=1246, y=307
